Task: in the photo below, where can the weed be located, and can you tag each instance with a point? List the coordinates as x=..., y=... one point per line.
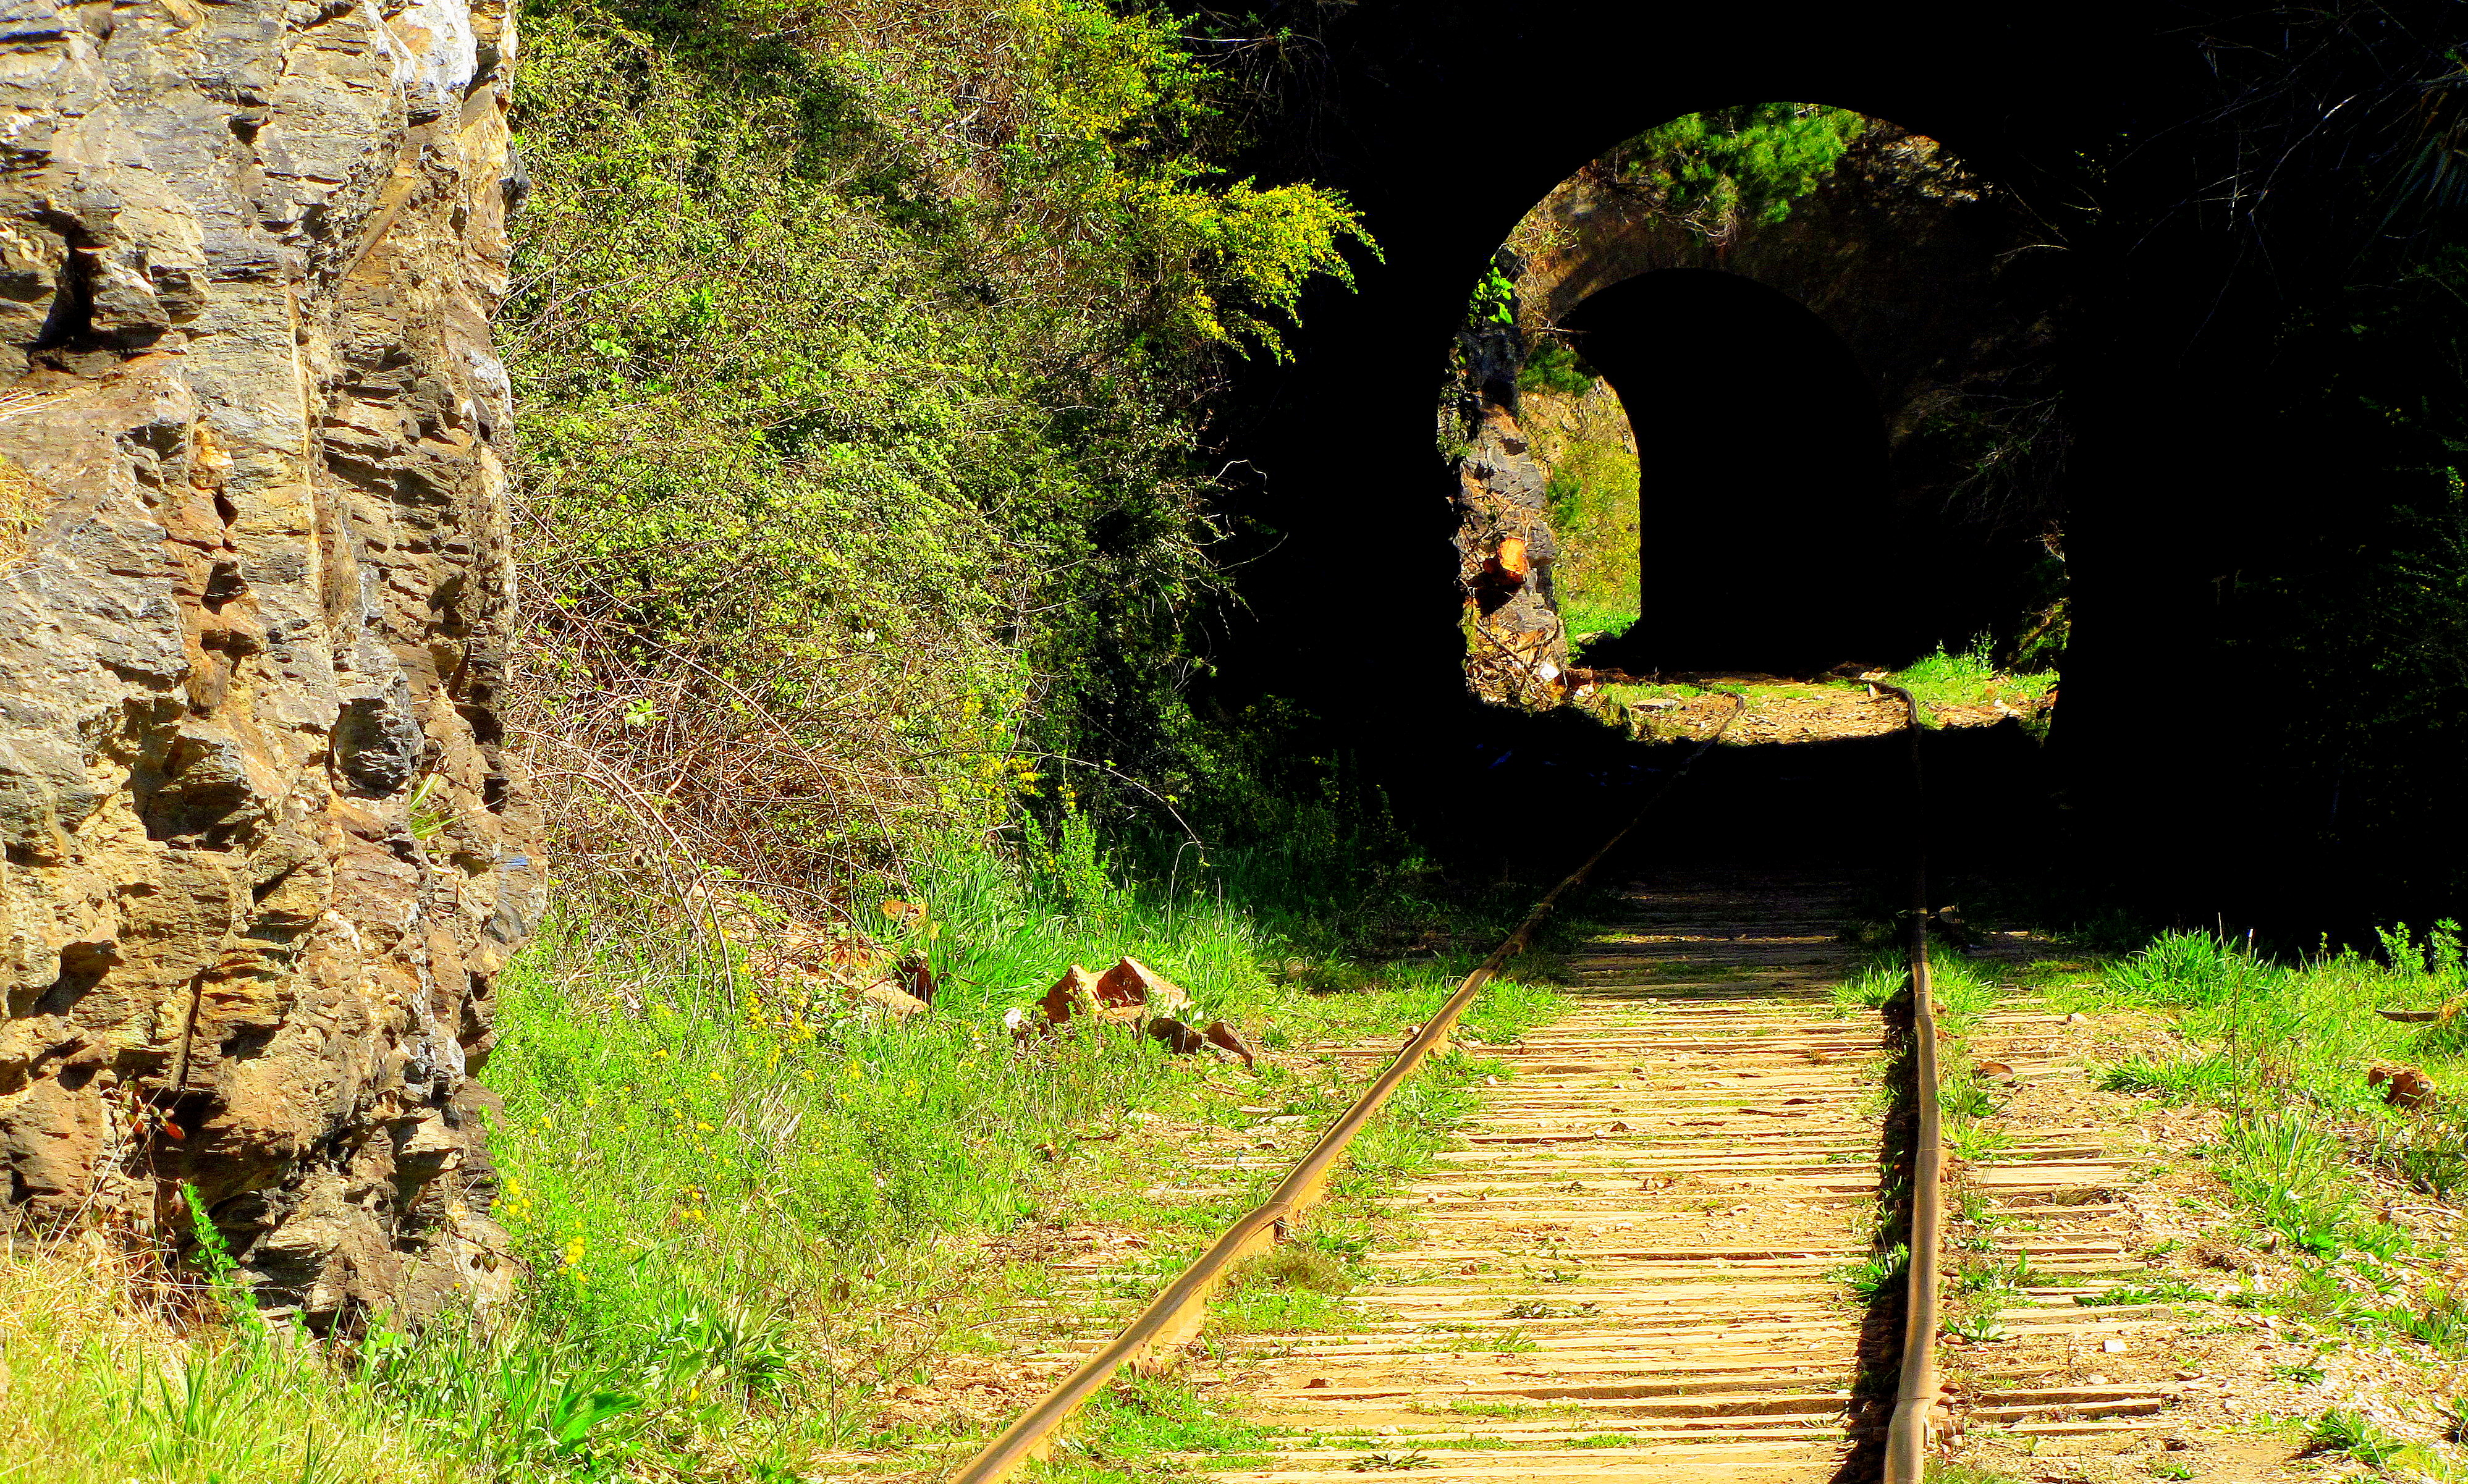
x=2302, y=1375
x=1973, y=1140
x=1946, y=1470
x=2192, y=1079
x=214, y=1256
x=1977, y=1329
x=1506, y=1411
x=1139, y=1420
x=2163, y=1291
x=2430, y=1150
x=2285, y=1168
x=1544, y=1309
x=2191, y=970
x=2283, y=1051
x=1967, y=1099
x=1871, y=989
x=2438, y=1319
x=1298, y=1266
x=1874, y=1275
x=2338, y=1431
x=1387, y=1463
x=1580, y=435
x=1969, y=678
x=2014, y=1277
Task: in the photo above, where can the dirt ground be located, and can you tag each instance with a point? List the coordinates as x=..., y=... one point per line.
x=1780, y=710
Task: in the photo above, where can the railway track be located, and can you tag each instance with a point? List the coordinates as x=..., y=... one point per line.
x=1636, y=1266
x=1632, y=1268
x=1658, y=1253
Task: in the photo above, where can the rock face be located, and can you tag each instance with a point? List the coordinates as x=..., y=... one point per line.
x=264, y=852
x=1517, y=648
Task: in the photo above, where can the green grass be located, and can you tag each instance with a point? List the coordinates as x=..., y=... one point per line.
x=1945, y=1470
x=1870, y=1278
x=2283, y=1051
x=1135, y=1426
x=750, y=1215
x=1607, y=620
x=1969, y=678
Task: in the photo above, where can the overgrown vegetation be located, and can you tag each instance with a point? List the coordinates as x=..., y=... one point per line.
x=863, y=356
x=1582, y=437
x=862, y=353
x=2320, y=1091
x=1971, y=676
x=1717, y=169
x=757, y=1220
x=1708, y=171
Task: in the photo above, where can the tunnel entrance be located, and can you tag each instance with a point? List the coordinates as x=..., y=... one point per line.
x=1765, y=509
x=2204, y=467
x=1744, y=397
x=1714, y=449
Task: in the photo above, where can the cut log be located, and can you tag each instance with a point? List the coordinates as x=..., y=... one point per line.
x=1075, y=992
x=2404, y=1087
x=1176, y=1037
x=1131, y=983
x=1221, y=1035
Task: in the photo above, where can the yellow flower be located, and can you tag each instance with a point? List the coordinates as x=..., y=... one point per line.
x=704, y=1127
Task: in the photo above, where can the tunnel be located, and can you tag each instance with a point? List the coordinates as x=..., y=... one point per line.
x=1445, y=123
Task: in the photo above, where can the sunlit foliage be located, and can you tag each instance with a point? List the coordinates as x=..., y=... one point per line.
x=861, y=351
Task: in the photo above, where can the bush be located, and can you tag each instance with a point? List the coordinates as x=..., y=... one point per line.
x=860, y=357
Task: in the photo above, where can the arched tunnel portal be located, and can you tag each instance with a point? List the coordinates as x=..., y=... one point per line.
x=1351, y=498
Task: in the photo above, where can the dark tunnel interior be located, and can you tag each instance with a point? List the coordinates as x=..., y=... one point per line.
x=1764, y=495
x=1774, y=537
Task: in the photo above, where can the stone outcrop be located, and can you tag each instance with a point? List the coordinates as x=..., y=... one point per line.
x=264, y=851
x=1517, y=648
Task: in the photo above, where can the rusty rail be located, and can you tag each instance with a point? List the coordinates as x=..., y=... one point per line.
x=1915, y=1395
x=1176, y=1314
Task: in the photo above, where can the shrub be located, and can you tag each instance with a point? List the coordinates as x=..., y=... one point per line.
x=860, y=355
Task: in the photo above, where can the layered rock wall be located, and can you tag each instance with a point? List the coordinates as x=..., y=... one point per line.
x=1516, y=649
x=265, y=850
